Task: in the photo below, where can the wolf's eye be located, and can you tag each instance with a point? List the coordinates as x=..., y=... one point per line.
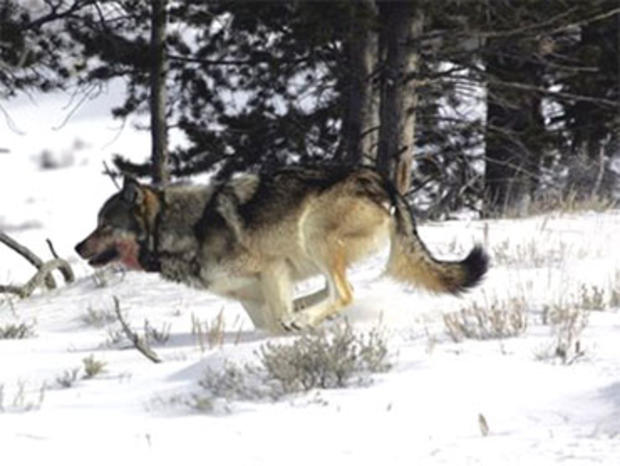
x=105, y=228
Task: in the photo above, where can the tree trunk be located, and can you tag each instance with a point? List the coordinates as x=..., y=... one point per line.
x=360, y=119
x=159, y=134
x=401, y=26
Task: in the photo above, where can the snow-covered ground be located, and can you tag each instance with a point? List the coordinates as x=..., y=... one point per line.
x=425, y=410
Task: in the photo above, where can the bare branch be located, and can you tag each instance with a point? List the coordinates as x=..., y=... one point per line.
x=139, y=343
x=521, y=30
x=28, y=255
x=51, y=246
x=44, y=272
x=67, y=272
x=111, y=174
x=558, y=94
x=225, y=62
x=55, y=14
x=584, y=22
x=10, y=122
x=90, y=92
x=39, y=278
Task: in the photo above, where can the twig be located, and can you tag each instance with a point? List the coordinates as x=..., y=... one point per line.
x=231, y=62
x=110, y=173
x=51, y=246
x=135, y=339
x=601, y=171
x=65, y=268
x=10, y=122
x=557, y=94
x=592, y=19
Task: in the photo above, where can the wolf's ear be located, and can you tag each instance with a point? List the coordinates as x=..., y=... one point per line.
x=131, y=191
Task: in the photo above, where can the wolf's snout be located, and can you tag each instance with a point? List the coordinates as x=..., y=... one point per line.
x=86, y=248
x=79, y=248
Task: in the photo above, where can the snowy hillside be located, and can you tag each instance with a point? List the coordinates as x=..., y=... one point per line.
x=544, y=400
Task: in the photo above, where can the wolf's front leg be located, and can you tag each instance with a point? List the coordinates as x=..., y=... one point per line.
x=257, y=312
x=277, y=290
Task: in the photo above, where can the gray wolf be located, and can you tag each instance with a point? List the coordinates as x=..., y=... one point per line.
x=252, y=236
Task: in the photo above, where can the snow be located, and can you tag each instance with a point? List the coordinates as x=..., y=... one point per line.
x=424, y=411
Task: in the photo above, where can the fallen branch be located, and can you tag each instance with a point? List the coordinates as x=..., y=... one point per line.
x=28, y=255
x=139, y=343
x=67, y=271
x=43, y=277
x=37, y=281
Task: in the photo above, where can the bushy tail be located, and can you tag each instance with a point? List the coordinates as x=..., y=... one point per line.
x=412, y=263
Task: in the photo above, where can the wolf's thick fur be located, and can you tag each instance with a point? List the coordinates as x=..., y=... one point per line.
x=252, y=237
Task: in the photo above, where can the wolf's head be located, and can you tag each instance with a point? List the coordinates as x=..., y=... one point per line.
x=124, y=226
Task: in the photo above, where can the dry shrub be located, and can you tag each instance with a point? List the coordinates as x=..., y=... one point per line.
x=530, y=254
x=161, y=335
x=326, y=358
x=614, y=295
x=230, y=383
x=568, y=324
x=499, y=320
x=571, y=200
x=592, y=297
x=93, y=367
x=23, y=400
x=68, y=378
x=98, y=318
x=13, y=331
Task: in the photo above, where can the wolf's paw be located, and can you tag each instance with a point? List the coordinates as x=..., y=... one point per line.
x=299, y=305
x=296, y=322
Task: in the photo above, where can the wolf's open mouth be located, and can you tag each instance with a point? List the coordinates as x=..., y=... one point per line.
x=105, y=257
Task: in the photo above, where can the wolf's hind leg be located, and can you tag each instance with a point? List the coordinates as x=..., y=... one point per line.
x=339, y=295
x=303, y=302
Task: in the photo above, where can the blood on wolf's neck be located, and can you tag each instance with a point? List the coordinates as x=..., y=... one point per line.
x=129, y=251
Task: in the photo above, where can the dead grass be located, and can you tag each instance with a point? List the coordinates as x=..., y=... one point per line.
x=570, y=202
x=17, y=331
x=98, y=318
x=159, y=335
x=531, y=254
x=499, y=319
x=568, y=324
x=614, y=287
x=210, y=334
x=592, y=297
x=23, y=400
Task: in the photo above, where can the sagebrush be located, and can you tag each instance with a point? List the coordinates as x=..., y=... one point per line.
x=17, y=331
x=499, y=319
x=336, y=357
x=325, y=359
